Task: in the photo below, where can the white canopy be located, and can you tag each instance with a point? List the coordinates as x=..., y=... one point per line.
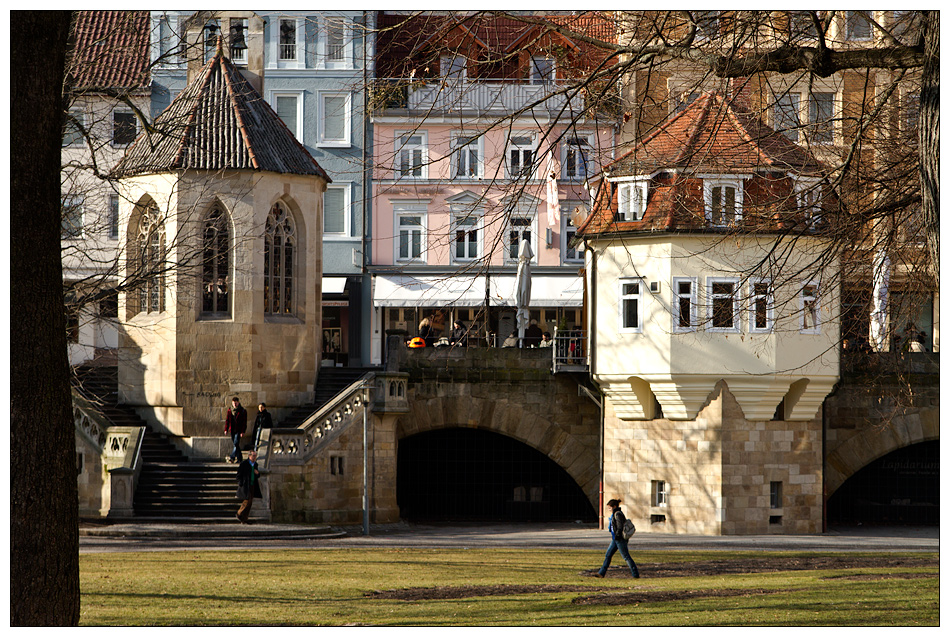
x=404, y=290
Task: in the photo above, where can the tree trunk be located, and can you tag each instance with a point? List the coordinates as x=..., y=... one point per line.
x=930, y=138
x=44, y=512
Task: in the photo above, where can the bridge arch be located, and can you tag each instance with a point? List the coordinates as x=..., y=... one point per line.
x=873, y=442
x=566, y=432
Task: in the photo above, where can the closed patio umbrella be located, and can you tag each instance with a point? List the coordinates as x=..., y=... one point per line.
x=523, y=287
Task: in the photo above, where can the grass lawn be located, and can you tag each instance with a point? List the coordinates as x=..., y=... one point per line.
x=480, y=587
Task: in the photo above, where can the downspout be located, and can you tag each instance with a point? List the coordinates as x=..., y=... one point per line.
x=592, y=353
x=366, y=342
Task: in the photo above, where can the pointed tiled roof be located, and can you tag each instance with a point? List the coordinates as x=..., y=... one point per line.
x=110, y=50
x=712, y=136
x=218, y=121
x=715, y=135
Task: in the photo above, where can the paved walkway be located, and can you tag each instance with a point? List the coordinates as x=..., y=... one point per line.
x=164, y=537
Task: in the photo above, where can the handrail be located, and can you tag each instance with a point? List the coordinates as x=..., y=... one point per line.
x=569, y=350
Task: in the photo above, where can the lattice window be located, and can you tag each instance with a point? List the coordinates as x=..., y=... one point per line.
x=216, y=262
x=280, y=244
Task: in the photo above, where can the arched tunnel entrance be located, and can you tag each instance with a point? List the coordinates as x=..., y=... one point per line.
x=902, y=487
x=482, y=476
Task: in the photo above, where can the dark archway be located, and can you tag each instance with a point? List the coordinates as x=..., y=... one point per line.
x=902, y=487
x=478, y=475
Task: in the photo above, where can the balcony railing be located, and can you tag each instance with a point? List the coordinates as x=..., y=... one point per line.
x=475, y=96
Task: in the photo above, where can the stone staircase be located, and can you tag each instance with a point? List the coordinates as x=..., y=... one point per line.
x=330, y=382
x=171, y=487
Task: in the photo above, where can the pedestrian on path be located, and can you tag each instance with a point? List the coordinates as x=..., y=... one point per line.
x=248, y=477
x=235, y=424
x=617, y=541
x=263, y=421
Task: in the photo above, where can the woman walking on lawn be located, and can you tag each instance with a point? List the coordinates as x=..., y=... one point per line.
x=617, y=520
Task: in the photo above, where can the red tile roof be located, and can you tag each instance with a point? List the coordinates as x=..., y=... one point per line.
x=110, y=50
x=712, y=136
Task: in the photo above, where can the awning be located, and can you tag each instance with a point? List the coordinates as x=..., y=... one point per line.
x=333, y=284
x=403, y=290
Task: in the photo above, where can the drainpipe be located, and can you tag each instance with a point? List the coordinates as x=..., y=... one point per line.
x=592, y=353
x=366, y=345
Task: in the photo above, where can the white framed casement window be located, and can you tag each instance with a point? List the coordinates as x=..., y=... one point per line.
x=659, y=493
x=521, y=155
x=334, y=118
x=410, y=231
x=124, y=127
x=568, y=230
x=723, y=201
x=336, y=211
x=632, y=199
x=761, y=302
x=857, y=26
x=808, y=198
x=685, y=302
x=289, y=42
x=722, y=298
x=787, y=115
x=73, y=128
x=167, y=42
x=467, y=236
x=289, y=108
x=467, y=154
x=335, y=43
x=412, y=155
x=73, y=208
x=543, y=70
x=631, y=305
x=809, y=308
x=575, y=157
x=821, y=117
x=453, y=67
x=521, y=226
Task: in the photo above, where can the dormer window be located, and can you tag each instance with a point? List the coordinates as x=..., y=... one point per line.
x=723, y=201
x=631, y=200
x=808, y=198
x=453, y=67
x=543, y=70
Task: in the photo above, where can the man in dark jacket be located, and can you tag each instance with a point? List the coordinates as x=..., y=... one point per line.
x=249, y=487
x=263, y=421
x=235, y=424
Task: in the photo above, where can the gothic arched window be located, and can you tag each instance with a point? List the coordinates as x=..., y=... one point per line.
x=149, y=259
x=280, y=241
x=215, y=265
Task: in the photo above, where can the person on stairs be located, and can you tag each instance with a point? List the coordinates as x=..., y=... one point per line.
x=249, y=487
x=235, y=424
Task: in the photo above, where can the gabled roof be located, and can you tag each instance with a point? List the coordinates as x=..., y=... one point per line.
x=715, y=135
x=218, y=121
x=110, y=50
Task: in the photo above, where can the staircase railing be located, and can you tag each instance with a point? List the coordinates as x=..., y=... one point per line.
x=119, y=450
x=380, y=392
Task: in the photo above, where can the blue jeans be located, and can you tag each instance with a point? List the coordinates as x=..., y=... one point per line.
x=621, y=545
x=236, y=452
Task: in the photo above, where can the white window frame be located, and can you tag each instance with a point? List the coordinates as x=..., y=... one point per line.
x=77, y=230
x=780, y=116
x=473, y=223
x=78, y=115
x=298, y=46
x=113, y=221
x=323, y=42
x=710, y=183
x=735, y=328
x=632, y=198
x=808, y=197
x=347, y=139
x=347, y=190
x=567, y=233
x=532, y=229
x=848, y=22
x=402, y=138
x=298, y=98
x=580, y=139
x=535, y=74
x=449, y=61
x=623, y=297
x=402, y=210
x=460, y=151
x=693, y=304
x=521, y=148
x=659, y=493
x=167, y=54
x=754, y=298
x=803, y=302
x=135, y=124
x=814, y=122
